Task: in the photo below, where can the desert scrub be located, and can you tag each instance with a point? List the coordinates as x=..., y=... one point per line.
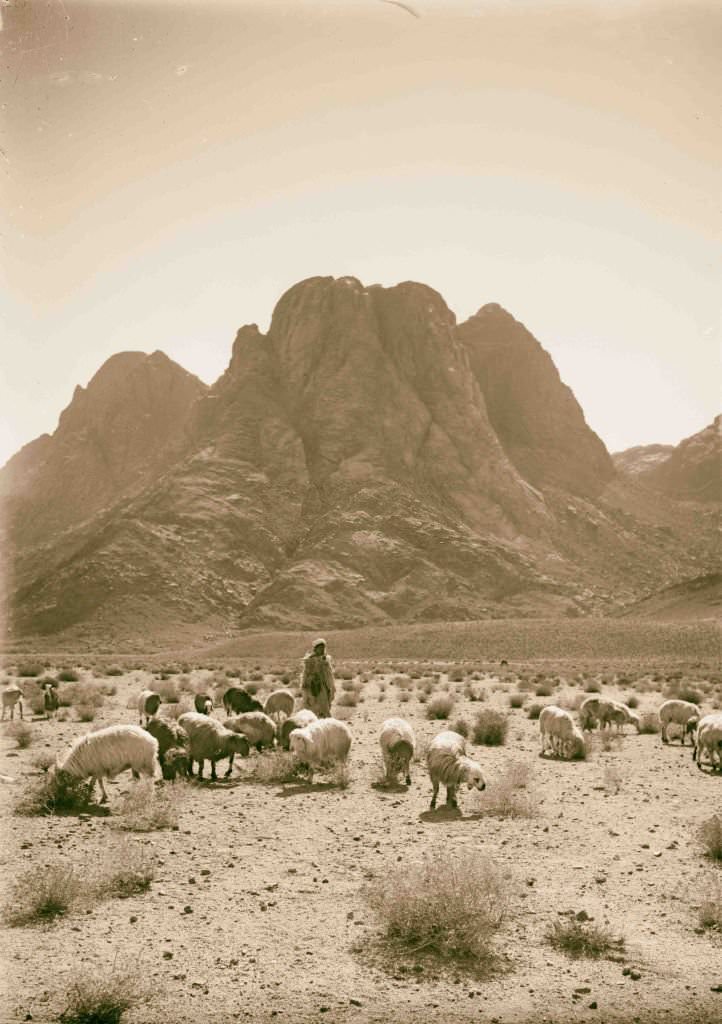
x=448, y=906
x=275, y=766
x=544, y=690
x=29, y=670
x=440, y=706
x=77, y=694
x=39, y=896
x=490, y=728
x=54, y=793
x=462, y=727
x=710, y=913
x=578, y=936
x=348, y=699
x=147, y=808
x=134, y=876
x=649, y=723
x=21, y=732
x=85, y=713
x=94, y=997
x=516, y=700
x=167, y=689
x=68, y=675
x=710, y=835
x=509, y=796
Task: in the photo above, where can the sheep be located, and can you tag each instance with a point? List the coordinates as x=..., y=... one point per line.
x=448, y=764
x=211, y=741
x=707, y=739
x=236, y=701
x=172, y=746
x=148, y=703
x=11, y=696
x=257, y=727
x=299, y=720
x=557, y=727
x=107, y=752
x=325, y=740
x=679, y=712
x=589, y=712
x=279, y=705
x=203, y=703
x=614, y=711
x=397, y=742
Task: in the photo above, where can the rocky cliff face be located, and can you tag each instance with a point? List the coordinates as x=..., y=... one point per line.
x=638, y=461
x=357, y=464
x=694, y=469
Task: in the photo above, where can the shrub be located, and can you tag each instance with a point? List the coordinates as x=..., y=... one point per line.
x=456, y=675
x=687, y=693
x=145, y=808
x=275, y=766
x=649, y=723
x=632, y=702
x=167, y=689
x=39, y=896
x=710, y=913
x=490, y=728
x=85, y=712
x=68, y=675
x=30, y=670
x=134, y=876
x=533, y=711
x=578, y=936
x=516, y=700
x=462, y=727
x=449, y=906
x=592, y=687
x=43, y=761
x=543, y=691
x=710, y=834
x=508, y=796
x=102, y=998
x=54, y=794
x=440, y=706
x=347, y=699
x=75, y=693
x=114, y=670
x=21, y=732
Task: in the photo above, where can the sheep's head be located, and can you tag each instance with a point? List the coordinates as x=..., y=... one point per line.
x=576, y=748
x=474, y=777
x=238, y=744
x=691, y=725
x=175, y=763
x=635, y=720
x=297, y=744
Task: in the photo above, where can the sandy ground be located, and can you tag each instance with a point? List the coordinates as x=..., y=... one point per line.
x=257, y=912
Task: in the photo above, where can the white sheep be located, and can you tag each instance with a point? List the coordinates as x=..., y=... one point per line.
x=12, y=695
x=298, y=720
x=107, y=752
x=279, y=705
x=323, y=741
x=208, y=740
x=679, y=712
x=614, y=712
x=589, y=712
x=707, y=739
x=203, y=703
x=557, y=728
x=148, y=703
x=448, y=764
x=397, y=742
x=256, y=726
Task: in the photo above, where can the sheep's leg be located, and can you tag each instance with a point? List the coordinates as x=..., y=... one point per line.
x=20, y=705
x=200, y=769
x=434, y=794
x=230, y=766
x=103, y=794
x=451, y=796
x=408, y=775
x=214, y=777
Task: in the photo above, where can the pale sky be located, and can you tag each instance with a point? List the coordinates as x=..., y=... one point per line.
x=169, y=169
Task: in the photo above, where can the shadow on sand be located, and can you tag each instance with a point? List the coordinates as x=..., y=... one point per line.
x=441, y=814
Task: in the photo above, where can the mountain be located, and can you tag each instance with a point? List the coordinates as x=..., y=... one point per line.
x=692, y=470
x=638, y=461
x=367, y=460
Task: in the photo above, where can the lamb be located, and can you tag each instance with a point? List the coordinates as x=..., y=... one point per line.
x=172, y=746
x=279, y=705
x=211, y=741
x=397, y=742
x=11, y=696
x=203, y=703
x=325, y=740
x=679, y=712
x=299, y=720
x=236, y=701
x=148, y=704
x=257, y=727
x=558, y=729
x=107, y=752
x=617, y=713
x=448, y=764
x=708, y=740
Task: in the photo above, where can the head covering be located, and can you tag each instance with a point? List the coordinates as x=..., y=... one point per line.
x=319, y=643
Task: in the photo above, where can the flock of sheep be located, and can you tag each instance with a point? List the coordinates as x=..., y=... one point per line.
x=198, y=737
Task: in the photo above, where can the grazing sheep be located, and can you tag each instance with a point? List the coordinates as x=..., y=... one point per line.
x=203, y=703
x=708, y=740
x=11, y=696
x=211, y=741
x=325, y=740
x=236, y=701
x=299, y=720
x=397, y=748
x=257, y=727
x=107, y=752
x=614, y=712
x=589, y=712
x=448, y=764
x=679, y=712
x=148, y=704
x=558, y=729
x=172, y=746
x=279, y=705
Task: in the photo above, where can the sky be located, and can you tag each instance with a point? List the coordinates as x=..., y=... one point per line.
x=169, y=169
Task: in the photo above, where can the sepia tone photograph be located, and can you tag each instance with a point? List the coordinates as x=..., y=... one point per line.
x=360, y=484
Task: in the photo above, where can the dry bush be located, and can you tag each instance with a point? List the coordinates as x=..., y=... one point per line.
x=68, y=675
x=578, y=936
x=509, y=796
x=40, y=895
x=347, y=700
x=632, y=702
x=85, y=712
x=114, y=670
x=533, y=711
x=147, y=808
x=21, y=732
x=649, y=723
x=490, y=728
x=55, y=793
x=710, y=913
x=449, y=906
x=612, y=779
x=79, y=694
x=543, y=691
x=94, y=997
x=167, y=689
x=689, y=694
x=516, y=700
x=43, y=761
x=462, y=727
x=710, y=835
x=133, y=876
x=440, y=706
x=592, y=687
x=275, y=766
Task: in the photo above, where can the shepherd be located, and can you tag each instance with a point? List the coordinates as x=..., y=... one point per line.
x=318, y=684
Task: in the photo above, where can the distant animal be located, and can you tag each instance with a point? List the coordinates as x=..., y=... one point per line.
x=679, y=712
x=558, y=730
x=50, y=701
x=257, y=727
x=589, y=712
x=11, y=696
x=211, y=741
x=172, y=746
x=104, y=754
x=707, y=741
x=148, y=703
x=237, y=700
x=398, y=744
x=203, y=703
x=448, y=764
x=279, y=705
x=327, y=740
x=298, y=720
x=614, y=712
